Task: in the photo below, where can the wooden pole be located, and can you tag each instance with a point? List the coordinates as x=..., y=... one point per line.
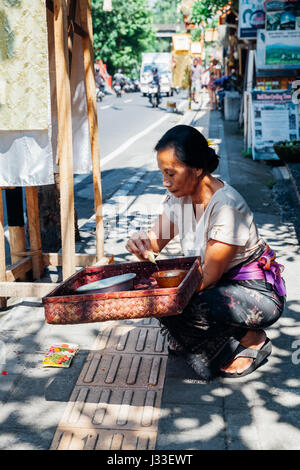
x=2, y=251
x=64, y=144
x=34, y=231
x=88, y=55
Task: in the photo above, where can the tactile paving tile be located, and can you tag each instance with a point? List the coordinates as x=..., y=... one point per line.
x=150, y=322
x=123, y=370
x=131, y=339
x=115, y=404
x=113, y=408
x=91, y=439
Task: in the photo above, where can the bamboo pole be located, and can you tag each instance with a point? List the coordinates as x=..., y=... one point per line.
x=88, y=55
x=2, y=251
x=65, y=146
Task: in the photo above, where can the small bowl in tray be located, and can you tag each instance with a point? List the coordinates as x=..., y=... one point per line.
x=170, y=278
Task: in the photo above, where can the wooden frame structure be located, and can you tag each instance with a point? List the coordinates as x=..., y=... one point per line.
x=65, y=26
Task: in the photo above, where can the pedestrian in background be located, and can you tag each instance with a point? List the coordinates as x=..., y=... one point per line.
x=196, y=72
x=214, y=70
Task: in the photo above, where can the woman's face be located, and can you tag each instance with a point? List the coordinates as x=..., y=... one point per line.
x=179, y=179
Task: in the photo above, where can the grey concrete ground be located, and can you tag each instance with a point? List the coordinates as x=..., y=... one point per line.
x=261, y=411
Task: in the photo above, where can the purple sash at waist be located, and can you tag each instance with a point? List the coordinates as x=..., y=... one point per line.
x=264, y=268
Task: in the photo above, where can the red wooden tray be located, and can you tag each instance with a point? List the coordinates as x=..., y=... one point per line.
x=64, y=306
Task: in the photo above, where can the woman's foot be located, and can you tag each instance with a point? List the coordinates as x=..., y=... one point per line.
x=174, y=347
x=253, y=339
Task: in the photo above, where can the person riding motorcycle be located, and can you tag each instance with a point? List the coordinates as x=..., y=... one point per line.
x=100, y=84
x=156, y=80
x=119, y=78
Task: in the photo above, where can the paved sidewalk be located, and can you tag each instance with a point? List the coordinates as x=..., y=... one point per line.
x=122, y=391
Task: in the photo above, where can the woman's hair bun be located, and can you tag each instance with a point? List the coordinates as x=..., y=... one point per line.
x=190, y=146
x=213, y=160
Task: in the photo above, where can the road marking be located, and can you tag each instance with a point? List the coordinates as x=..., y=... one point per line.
x=133, y=139
x=105, y=107
x=127, y=101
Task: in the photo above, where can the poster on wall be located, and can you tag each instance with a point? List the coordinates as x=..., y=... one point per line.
x=282, y=48
x=268, y=108
x=282, y=33
x=251, y=18
x=281, y=5
x=276, y=60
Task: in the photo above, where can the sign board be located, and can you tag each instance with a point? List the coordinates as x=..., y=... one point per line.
x=251, y=18
x=181, y=42
x=273, y=60
x=196, y=48
x=268, y=108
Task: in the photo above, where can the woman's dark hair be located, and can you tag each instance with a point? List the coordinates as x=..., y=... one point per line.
x=190, y=147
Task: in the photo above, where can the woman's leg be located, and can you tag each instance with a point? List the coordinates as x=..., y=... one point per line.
x=210, y=97
x=214, y=99
x=228, y=310
x=254, y=307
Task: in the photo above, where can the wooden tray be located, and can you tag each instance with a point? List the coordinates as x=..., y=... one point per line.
x=64, y=306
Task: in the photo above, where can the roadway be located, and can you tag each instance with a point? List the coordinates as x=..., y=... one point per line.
x=128, y=130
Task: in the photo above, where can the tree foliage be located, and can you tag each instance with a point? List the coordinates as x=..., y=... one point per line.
x=121, y=35
x=166, y=12
x=204, y=11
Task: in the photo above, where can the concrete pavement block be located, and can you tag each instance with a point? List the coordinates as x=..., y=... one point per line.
x=131, y=339
x=123, y=370
x=112, y=408
x=191, y=427
x=103, y=439
x=184, y=391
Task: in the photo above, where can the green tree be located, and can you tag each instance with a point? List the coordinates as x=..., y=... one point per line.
x=204, y=11
x=121, y=35
x=165, y=12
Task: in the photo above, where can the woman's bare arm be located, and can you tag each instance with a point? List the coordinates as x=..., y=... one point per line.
x=218, y=255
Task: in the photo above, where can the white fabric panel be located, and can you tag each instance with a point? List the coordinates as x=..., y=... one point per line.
x=82, y=157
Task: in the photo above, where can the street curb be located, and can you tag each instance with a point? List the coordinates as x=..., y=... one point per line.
x=187, y=118
x=294, y=180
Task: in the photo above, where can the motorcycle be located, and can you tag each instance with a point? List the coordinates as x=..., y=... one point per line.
x=100, y=89
x=99, y=94
x=117, y=89
x=127, y=87
x=153, y=94
x=136, y=84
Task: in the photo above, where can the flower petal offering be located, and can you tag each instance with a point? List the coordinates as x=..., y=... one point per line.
x=60, y=355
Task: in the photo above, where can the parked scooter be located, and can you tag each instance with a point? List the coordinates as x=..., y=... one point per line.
x=153, y=94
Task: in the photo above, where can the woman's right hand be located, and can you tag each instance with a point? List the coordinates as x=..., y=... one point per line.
x=138, y=244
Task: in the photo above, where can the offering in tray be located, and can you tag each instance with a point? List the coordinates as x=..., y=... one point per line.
x=170, y=278
x=119, y=283
x=146, y=283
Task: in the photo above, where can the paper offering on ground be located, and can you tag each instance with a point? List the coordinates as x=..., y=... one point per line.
x=60, y=355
